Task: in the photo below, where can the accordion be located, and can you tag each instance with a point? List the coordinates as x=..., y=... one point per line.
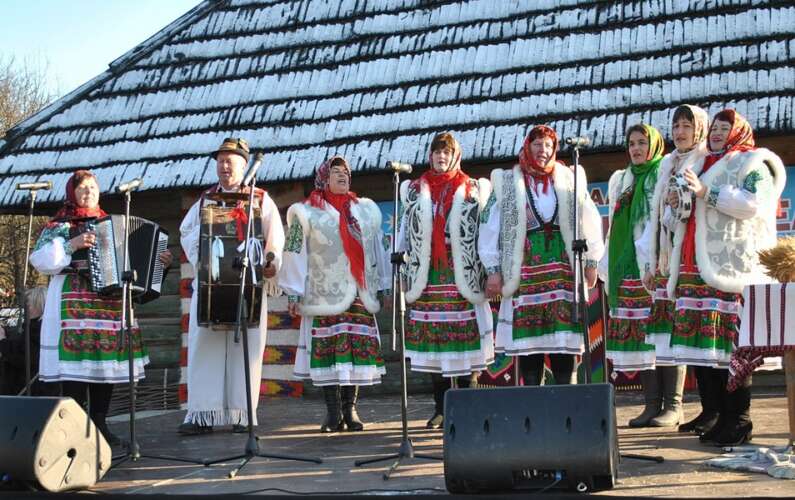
x=147, y=241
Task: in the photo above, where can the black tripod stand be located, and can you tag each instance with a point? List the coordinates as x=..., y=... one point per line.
x=133, y=451
x=252, y=449
x=579, y=311
x=398, y=259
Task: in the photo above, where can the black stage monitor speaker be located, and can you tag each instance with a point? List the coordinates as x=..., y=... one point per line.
x=52, y=442
x=513, y=438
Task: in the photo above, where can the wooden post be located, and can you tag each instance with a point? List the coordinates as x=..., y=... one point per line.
x=789, y=374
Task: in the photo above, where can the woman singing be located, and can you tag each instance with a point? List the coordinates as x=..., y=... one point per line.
x=80, y=342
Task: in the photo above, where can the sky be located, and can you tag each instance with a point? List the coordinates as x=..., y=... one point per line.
x=75, y=40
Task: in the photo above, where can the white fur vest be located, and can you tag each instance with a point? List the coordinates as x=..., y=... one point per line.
x=462, y=223
x=726, y=247
x=330, y=287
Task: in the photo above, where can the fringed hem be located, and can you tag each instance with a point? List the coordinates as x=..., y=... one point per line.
x=271, y=288
x=210, y=418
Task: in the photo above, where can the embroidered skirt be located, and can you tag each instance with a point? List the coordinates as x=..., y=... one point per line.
x=627, y=345
x=537, y=319
x=90, y=345
x=340, y=349
x=661, y=322
x=445, y=333
x=706, y=322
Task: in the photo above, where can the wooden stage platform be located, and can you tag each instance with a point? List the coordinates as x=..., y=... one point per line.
x=290, y=425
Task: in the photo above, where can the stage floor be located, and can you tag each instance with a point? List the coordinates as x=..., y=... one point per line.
x=290, y=426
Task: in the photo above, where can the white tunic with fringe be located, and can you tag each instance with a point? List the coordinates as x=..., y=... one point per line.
x=216, y=377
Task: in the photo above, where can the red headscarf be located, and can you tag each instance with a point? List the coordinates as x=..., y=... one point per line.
x=741, y=138
x=350, y=230
x=443, y=187
x=70, y=209
x=541, y=174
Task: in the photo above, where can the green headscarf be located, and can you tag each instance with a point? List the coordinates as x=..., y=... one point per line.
x=631, y=208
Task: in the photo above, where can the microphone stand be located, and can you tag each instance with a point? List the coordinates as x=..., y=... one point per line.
x=22, y=297
x=133, y=451
x=252, y=448
x=398, y=259
x=579, y=310
x=580, y=306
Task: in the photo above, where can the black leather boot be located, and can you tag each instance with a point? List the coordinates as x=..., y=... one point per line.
x=709, y=408
x=440, y=385
x=564, y=369
x=737, y=428
x=102, y=427
x=333, y=421
x=717, y=396
x=531, y=367
x=349, y=395
x=99, y=396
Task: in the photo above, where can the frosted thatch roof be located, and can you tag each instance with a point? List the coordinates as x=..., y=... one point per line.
x=375, y=79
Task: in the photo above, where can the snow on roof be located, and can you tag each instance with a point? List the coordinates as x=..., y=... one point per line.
x=375, y=80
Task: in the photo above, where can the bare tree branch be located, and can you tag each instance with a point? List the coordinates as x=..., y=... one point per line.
x=23, y=92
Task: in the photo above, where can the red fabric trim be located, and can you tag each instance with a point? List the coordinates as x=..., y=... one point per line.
x=350, y=232
x=442, y=187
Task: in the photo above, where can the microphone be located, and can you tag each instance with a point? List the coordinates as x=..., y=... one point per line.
x=130, y=185
x=253, y=170
x=269, y=256
x=397, y=167
x=578, y=142
x=35, y=186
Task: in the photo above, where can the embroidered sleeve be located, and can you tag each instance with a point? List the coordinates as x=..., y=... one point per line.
x=751, y=180
x=50, y=233
x=484, y=214
x=712, y=197
x=743, y=201
x=295, y=238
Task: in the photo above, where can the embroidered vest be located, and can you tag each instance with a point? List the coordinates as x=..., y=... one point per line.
x=511, y=193
x=463, y=224
x=330, y=287
x=726, y=247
